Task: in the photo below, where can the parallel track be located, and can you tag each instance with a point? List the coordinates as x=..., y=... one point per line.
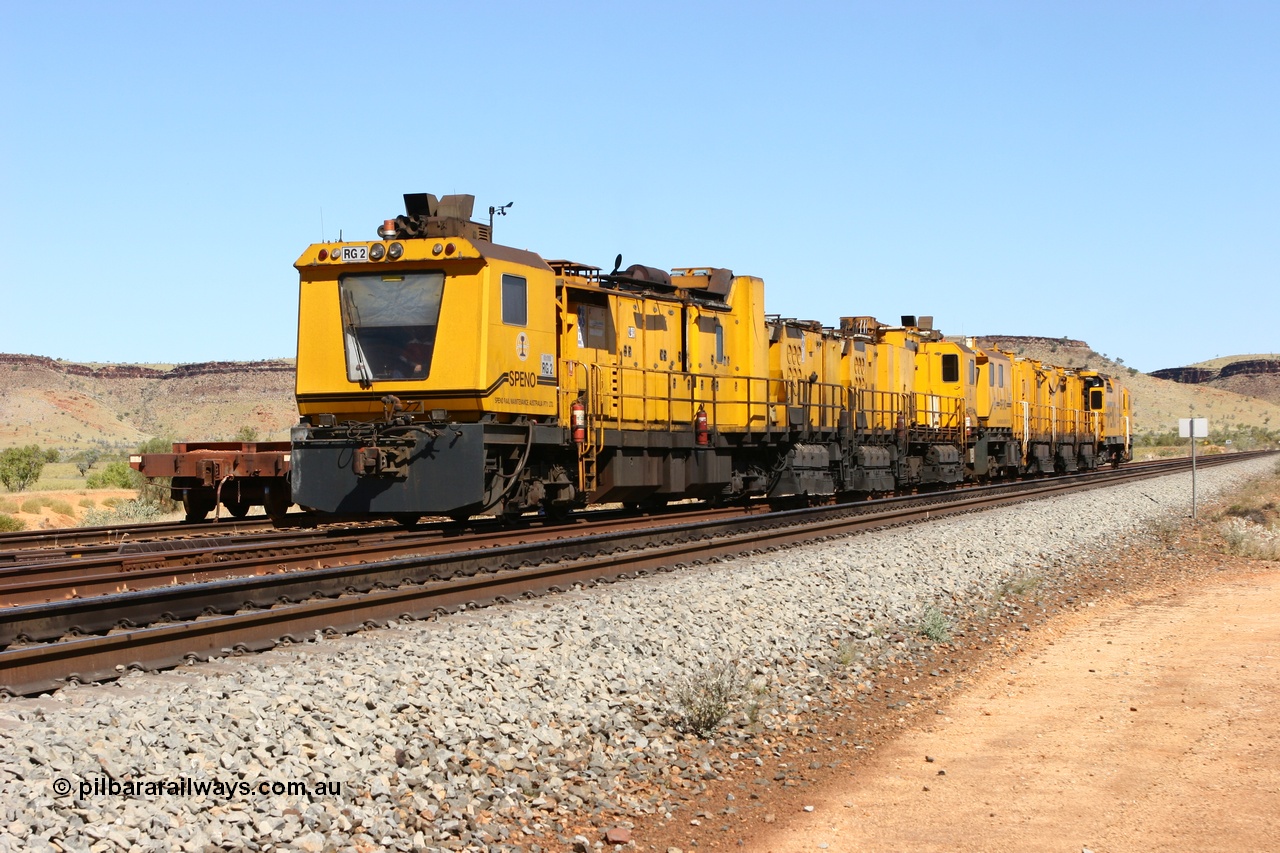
x=346, y=597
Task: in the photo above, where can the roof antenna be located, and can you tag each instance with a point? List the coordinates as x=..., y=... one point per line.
x=322, y=239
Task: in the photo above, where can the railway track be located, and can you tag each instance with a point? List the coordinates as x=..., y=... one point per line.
x=25, y=547
x=39, y=577
x=261, y=604
x=69, y=540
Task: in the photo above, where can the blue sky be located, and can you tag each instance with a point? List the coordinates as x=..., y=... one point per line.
x=1105, y=171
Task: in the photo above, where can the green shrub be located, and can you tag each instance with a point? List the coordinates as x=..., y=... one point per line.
x=117, y=475
x=87, y=503
x=32, y=506
x=62, y=508
x=934, y=625
x=9, y=524
x=8, y=505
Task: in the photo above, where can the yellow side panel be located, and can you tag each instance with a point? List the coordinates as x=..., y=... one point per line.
x=832, y=395
x=321, y=367
x=521, y=358
x=710, y=336
x=940, y=403
x=1024, y=398
x=894, y=382
x=658, y=323
x=1074, y=418
x=994, y=392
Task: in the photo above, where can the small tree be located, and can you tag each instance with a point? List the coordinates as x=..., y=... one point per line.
x=247, y=433
x=21, y=466
x=52, y=454
x=86, y=460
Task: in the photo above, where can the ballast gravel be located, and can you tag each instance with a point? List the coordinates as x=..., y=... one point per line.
x=481, y=730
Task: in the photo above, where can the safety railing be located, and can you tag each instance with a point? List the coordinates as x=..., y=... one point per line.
x=922, y=417
x=632, y=397
x=1049, y=424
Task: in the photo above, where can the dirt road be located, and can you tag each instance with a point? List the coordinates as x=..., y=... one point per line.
x=1136, y=725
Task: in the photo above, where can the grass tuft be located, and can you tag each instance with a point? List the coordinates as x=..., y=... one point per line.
x=935, y=625
x=705, y=698
x=124, y=512
x=1244, y=538
x=1164, y=530
x=1018, y=586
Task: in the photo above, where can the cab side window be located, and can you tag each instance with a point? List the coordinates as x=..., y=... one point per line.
x=950, y=367
x=515, y=300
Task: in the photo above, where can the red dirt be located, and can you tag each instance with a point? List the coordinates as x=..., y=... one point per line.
x=1137, y=715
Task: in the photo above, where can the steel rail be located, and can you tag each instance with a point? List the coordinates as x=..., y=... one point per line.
x=484, y=578
x=83, y=579
x=71, y=538
x=25, y=545
x=138, y=566
x=170, y=564
x=254, y=583
x=135, y=557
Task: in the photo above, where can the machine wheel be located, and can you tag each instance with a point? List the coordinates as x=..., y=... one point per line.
x=196, y=504
x=238, y=509
x=276, y=502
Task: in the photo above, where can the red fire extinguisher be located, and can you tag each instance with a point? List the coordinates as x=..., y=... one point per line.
x=700, y=428
x=578, y=415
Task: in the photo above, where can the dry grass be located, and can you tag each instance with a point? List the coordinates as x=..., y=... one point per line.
x=1249, y=522
x=703, y=701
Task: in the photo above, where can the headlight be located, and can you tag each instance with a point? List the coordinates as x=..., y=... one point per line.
x=394, y=251
x=376, y=251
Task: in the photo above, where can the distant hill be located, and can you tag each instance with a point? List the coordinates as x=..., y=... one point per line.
x=1250, y=375
x=1160, y=402
x=74, y=406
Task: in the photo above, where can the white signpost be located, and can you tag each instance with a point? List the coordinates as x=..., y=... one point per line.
x=1193, y=428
